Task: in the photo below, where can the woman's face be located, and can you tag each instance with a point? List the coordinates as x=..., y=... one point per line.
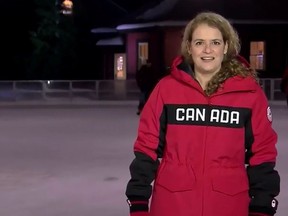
x=207, y=49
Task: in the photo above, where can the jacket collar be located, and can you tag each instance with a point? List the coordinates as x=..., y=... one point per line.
x=182, y=71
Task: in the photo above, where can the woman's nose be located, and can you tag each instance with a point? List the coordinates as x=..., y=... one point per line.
x=207, y=48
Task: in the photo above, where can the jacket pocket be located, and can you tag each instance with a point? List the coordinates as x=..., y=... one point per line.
x=230, y=181
x=176, y=177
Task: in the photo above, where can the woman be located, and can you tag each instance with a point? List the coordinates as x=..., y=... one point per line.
x=210, y=122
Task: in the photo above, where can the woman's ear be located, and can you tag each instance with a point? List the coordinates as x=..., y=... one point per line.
x=225, y=48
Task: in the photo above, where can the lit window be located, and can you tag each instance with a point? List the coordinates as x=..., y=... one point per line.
x=142, y=53
x=257, y=55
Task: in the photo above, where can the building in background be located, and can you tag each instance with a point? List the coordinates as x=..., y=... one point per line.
x=155, y=34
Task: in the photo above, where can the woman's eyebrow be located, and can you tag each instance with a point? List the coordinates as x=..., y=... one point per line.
x=216, y=39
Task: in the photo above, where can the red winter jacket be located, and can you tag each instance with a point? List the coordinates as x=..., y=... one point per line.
x=202, y=142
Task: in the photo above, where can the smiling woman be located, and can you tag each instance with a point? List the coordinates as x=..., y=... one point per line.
x=207, y=49
x=204, y=137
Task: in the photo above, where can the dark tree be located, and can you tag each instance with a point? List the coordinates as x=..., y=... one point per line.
x=54, y=39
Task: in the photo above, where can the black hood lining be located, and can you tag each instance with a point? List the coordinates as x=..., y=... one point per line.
x=186, y=67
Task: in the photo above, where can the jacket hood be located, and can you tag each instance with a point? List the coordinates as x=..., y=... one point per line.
x=182, y=71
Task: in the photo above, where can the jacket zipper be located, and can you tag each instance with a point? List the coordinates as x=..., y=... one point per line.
x=204, y=156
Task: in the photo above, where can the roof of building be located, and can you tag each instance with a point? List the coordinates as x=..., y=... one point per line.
x=179, y=12
x=263, y=10
x=114, y=41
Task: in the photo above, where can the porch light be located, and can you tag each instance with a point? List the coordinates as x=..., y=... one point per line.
x=67, y=7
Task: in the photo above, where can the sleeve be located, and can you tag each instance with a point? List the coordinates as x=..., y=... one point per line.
x=147, y=150
x=264, y=180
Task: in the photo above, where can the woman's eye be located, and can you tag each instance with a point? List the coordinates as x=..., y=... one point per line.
x=198, y=43
x=216, y=43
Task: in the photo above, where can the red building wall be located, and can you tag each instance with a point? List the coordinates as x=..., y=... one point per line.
x=164, y=46
x=172, y=44
x=275, y=38
x=155, y=49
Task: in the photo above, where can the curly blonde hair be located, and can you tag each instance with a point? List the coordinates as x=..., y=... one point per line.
x=230, y=65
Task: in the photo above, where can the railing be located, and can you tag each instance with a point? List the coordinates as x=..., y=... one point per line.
x=68, y=90
x=29, y=90
x=272, y=89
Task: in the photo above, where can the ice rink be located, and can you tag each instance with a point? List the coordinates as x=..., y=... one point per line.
x=72, y=160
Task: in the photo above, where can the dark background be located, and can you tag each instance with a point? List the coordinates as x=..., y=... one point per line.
x=19, y=19
x=70, y=50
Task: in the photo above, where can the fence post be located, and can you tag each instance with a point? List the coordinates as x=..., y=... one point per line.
x=44, y=88
x=70, y=90
x=97, y=83
x=14, y=90
x=272, y=87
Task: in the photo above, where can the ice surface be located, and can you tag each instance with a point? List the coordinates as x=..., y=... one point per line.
x=73, y=160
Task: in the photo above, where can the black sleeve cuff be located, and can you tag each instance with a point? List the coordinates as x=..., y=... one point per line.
x=263, y=204
x=138, y=205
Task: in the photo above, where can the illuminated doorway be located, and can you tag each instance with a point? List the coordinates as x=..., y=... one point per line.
x=120, y=66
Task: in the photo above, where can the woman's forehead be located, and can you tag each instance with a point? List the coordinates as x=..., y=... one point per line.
x=206, y=32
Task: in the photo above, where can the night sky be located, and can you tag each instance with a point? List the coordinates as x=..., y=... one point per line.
x=100, y=13
x=19, y=19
